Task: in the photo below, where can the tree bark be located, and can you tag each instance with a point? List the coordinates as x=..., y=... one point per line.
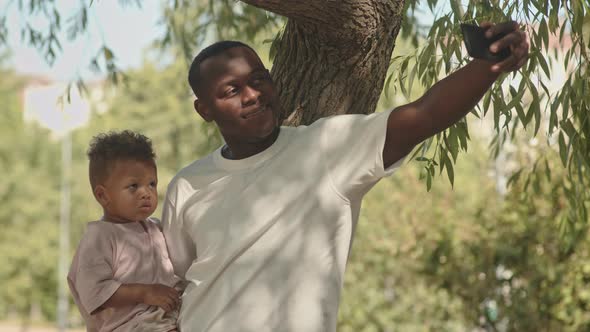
x=333, y=55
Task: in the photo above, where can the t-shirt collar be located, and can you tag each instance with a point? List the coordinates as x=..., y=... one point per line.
x=254, y=160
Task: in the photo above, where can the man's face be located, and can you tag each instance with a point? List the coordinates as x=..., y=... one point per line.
x=238, y=94
x=130, y=192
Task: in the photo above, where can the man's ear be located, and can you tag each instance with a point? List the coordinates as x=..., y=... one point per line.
x=202, y=110
x=101, y=195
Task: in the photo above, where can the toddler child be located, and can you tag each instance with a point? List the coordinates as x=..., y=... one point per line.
x=121, y=277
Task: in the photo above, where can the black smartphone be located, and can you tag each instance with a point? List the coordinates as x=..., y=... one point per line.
x=478, y=45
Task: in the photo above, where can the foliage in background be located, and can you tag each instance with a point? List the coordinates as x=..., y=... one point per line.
x=28, y=217
x=448, y=260
x=473, y=259
x=528, y=102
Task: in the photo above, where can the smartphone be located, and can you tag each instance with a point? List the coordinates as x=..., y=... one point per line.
x=478, y=45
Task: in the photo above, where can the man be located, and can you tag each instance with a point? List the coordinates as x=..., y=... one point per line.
x=262, y=227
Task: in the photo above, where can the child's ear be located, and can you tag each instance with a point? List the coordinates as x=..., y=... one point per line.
x=202, y=110
x=101, y=195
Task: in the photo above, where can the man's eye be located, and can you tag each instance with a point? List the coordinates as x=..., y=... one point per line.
x=260, y=78
x=231, y=91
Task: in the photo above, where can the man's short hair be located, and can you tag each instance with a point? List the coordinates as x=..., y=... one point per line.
x=108, y=148
x=194, y=73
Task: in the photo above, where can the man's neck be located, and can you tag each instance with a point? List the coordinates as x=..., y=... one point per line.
x=239, y=150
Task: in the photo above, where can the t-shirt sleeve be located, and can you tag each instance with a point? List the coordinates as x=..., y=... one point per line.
x=352, y=148
x=93, y=281
x=181, y=247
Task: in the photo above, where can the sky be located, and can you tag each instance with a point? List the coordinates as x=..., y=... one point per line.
x=127, y=30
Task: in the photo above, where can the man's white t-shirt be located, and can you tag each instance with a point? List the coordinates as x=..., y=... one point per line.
x=264, y=240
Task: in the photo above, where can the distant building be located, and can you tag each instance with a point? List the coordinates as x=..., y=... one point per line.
x=49, y=104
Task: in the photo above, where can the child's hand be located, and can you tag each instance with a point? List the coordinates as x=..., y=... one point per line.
x=162, y=296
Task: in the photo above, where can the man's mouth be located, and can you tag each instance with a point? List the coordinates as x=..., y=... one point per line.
x=256, y=112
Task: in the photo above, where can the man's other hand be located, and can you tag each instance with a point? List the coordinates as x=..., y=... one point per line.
x=516, y=39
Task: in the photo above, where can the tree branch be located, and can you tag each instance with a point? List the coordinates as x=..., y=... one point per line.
x=339, y=18
x=322, y=70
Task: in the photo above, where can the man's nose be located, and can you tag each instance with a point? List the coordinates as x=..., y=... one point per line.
x=250, y=95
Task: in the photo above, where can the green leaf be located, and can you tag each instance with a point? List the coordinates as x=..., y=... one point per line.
x=517, y=99
x=568, y=126
x=562, y=32
x=562, y=149
x=442, y=155
x=486, y=102
x=586, y=30
x=453, y=143
x=498, y=106
x=513, y=178
x=543, y=64
x=108, y=54
x=387, y=83
x=537, y=113
x=402, y=77
x=545, y=88
x=543, y=32
x=520, y=113
x=553, y=115
x=463, y=135
x=450, y=172
x=411, y=78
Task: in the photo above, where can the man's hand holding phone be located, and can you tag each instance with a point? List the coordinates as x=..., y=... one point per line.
x=505, y=44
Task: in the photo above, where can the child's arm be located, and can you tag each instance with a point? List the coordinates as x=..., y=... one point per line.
x=159, y=295
x=92, y=277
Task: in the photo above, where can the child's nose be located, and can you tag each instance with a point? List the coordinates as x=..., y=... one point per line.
x=145, y=193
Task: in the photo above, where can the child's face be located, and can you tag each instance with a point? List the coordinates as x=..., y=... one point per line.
x=130, y=192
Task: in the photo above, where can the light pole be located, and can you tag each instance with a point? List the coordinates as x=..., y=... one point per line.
x=61, y=118
x=64, y=231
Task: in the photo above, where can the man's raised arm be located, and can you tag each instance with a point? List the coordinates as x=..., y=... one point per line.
x=452, y=98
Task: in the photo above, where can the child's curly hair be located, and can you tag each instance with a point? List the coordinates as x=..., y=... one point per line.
x=107, y=148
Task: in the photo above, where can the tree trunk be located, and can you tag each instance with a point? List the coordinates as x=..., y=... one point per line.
x=333, y=55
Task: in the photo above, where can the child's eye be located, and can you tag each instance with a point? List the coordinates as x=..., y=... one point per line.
x=133, y=186
x=153, y=184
